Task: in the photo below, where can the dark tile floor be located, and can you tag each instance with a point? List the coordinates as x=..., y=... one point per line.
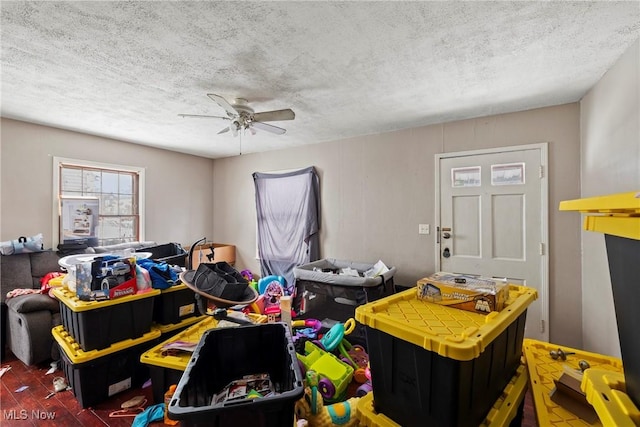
x=30, y=408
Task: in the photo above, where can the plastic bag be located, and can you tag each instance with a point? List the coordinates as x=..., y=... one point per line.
x=143, y=279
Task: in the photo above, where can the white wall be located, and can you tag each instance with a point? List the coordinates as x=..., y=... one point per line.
x=179, y=194
x=376, y=189
x=610, y=163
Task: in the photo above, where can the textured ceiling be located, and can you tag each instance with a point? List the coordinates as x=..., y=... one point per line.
x=127, y=69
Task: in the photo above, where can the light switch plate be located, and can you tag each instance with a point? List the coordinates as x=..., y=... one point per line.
x=423, y=228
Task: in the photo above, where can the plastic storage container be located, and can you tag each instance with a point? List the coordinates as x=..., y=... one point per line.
x=172, y=329
x=605, y=390
x=174, y=304
x=171, y=253
x=318, y=277
x=436, y=365
x=97, y=375
x=543, y=369
x=506, y=411
x=618, y=217
x=95, y=325
x=335, y=296
x=167, y=368
x=227, y=354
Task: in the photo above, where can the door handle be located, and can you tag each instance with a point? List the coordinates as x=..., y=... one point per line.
x=446, y=232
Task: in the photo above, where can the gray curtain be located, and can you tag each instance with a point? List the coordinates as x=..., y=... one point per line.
x=288, y=209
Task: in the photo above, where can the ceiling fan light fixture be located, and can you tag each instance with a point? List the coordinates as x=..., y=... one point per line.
x=243, y=117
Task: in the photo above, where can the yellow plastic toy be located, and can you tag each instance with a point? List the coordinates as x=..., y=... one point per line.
x=311, y=408
x=334, y=375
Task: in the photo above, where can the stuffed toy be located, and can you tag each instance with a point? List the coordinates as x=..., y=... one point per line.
x=311, y=408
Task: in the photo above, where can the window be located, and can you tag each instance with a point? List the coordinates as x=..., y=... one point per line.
x=117, y=191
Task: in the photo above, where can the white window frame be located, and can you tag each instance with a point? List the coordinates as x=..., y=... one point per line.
x=58, y=161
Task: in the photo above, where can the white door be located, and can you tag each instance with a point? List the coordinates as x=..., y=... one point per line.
x=493, y=220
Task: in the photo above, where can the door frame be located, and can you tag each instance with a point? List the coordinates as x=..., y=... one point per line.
x=543, y=294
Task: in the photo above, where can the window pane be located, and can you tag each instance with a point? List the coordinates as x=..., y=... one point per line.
x=71, y=180
x=109, y=228
x=127, y=227
x=109, y=204
x=110, y=182
x=91, y=181
x=126, y=205
x=126, y=183
x=118, y=193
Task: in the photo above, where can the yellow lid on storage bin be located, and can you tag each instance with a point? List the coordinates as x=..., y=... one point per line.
x=543, y=369
x=450, y=332
x=182, y=324
x=156, y=356
x=174, y=288
x=71, y=300
x=619, y=214
x=77, y=356
x=505, y=409
x=605, y=391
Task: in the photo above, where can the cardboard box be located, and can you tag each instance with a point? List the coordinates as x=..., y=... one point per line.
x=477, y=294
x=221, y=252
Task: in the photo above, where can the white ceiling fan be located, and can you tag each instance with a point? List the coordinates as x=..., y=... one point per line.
x=242, y=116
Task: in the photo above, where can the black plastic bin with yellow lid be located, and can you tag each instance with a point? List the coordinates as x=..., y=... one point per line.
x=618, y=217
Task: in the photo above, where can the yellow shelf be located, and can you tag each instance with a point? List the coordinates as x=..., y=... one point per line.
x=628, y=227
x=621, y=203
x=543, y=370
x=618, y=214
x=605, y=390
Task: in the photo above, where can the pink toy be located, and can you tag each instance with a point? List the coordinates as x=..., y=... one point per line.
x=272, y=287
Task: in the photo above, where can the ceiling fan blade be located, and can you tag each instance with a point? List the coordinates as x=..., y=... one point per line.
x=274, y=116
x=224, y=130
x=201, y=116
x=231, y=112
x=269, y=128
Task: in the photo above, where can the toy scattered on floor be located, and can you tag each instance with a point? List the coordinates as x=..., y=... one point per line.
x=131, y=408
x=312, y=409
x=248, y=387
x=247, y=275
x=272, y=287
x=355, y=355
x=359, y=359
x=334, y=374
x=310, y=328
x=367, y=386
